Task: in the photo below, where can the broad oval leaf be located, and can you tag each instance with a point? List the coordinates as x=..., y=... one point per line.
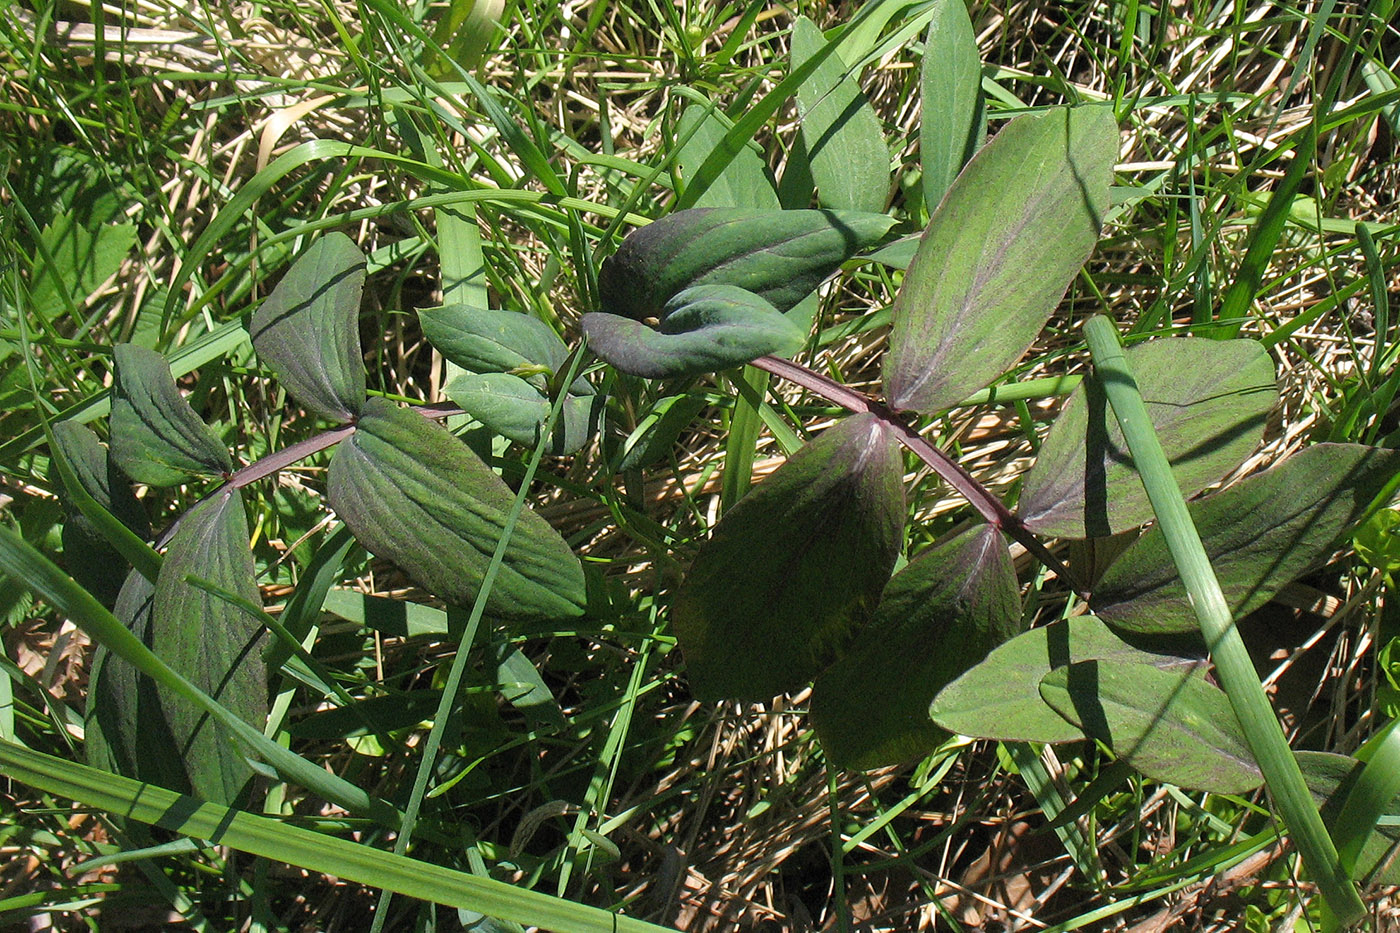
x=414, y=494
x=513, y=408
x=938, y=616
x=485, y=341
x=780, y=256
x=87, y=555
x=1260, y=534
x=951, y=121
x=211, y=641
x=744, y=181
x=704, y=329
x=795, y=566
x=999, y=698
x=156, y=438
x=1170, y=725
x=1004, y=244
x=308, y=329
x=843, y=141
x=1208, y=401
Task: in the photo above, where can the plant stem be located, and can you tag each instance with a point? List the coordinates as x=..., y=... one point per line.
x=992, y=509
x=1232, y=661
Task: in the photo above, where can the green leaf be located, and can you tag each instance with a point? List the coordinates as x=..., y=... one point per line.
x=656, y=435
x=842, y=137
x=780, y=256
x=1378, y=541
x=83, y=258
x=1208, y=401
x=414, y=494
x=950, y=87
x=795, y=566
x=513, y=408
x=1259, y=534
x=1172, y=726
x=999, y=698
x=1331, y=779
x=210, y=641
x=1006, y=241
x=87, y=554
x=484, y=341
x=704, y=329
x=744, y=182
x=156, y=438
x=308, y=329
x=938, y=616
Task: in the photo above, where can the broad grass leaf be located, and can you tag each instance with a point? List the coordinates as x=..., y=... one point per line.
x=1172, y=726
x=87, y=554
x=998, y=254
x=795, y=566
x=156, y=438
x=781, y=256
x=414, y=494
x=1260, y=534
x=1208, y=401
x=1330, y=778
x=999, y=698
x=744, y=182
x=938, y=616
x=513, y=408
x=213, y=643
x=951, y=124
x=704, y=329
x=843, y=141
x=308, y=329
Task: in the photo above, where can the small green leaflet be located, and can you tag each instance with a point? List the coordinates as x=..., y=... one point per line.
x=156, y=438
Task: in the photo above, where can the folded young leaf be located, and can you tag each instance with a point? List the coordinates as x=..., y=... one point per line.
x=703, y=329
x=951, y=122
x=795, y=566
x=1006, y=241
x=844, y=143
x=999, y=698
x=938, y=616
x=414, y=494
x=212, y=642
x=87, y=555
x=156, y=438
x=780, y=256
x=1208, y=401
x=1172, y=726
x=1260, y=534
x=513, y=408
x=308, y=329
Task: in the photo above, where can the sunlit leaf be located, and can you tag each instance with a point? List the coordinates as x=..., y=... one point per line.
x=156, y=438
x=1172, y=726
x=950, y=88
x=938, y=616
x=513, y=408
x=795, y=566
x=308, y=328
x=1208, y=401
x=1006, y=241
x=416, y=495
x=744, y=182
x=1260, y=534
x=485, y=341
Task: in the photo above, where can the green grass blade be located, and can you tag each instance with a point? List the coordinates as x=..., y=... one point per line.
x=1370, y=798
x=1232, y=661
x=305, y=848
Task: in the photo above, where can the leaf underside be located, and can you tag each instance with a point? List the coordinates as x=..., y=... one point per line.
x=156, y=437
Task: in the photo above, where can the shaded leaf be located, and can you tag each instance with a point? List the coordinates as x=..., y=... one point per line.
x=999, y=698
x=744, y=182
x=1170, y=725
x=156, y=438
x=795, y=566
x=780, y=256
x=998, y=254
x=1208, y=401
x=703, y=329
x=87, y=555
x=842, y=138
x=1260, y=534
x=212, y=642
x=513, y=408
x=414, y=494
x=656, y=435
x=1330, y=778
x=938, y=616
x=950, y=87
x=308, y=329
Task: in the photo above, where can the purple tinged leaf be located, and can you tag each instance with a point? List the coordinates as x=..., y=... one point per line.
x=938, y=616
x=1208, y=401
x=156, y=438
x=795, y=567
x=1259, y=534
x=414, y=494
x=1004, y=244
x=308, y=329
